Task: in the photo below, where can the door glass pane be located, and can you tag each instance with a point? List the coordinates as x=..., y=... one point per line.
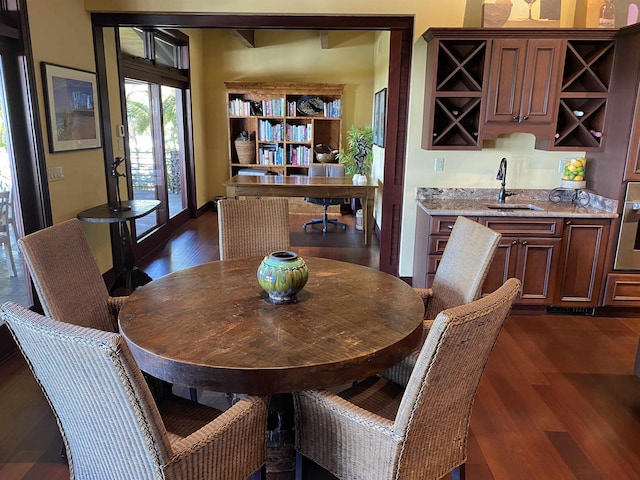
x=173, y=155
x=14, y=284
x=144, y=175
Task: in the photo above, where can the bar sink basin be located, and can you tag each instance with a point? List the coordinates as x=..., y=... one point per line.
x=511, y=206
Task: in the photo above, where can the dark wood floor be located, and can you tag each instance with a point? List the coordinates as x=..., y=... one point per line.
x=558, y=399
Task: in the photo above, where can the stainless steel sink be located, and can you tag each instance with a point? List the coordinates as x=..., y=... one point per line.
x=511, y=206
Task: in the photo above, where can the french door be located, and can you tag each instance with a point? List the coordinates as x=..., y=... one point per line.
x=155, y=150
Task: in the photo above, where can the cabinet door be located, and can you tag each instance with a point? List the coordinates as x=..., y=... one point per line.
x=523, y=81
x=582, y=262
x=633, y=153
x=541, y=81
x=537, y=268
x=506, y=73
x=503, y=265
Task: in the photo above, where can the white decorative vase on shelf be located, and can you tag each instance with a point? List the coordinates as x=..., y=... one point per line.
x=359, y=179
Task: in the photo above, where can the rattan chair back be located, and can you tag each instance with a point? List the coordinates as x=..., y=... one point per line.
x=253, y=227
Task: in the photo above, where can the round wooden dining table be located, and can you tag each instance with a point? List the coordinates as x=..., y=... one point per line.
x=212, y=327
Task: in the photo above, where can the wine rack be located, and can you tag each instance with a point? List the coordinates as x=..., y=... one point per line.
x=583, y=96
x=453, y=121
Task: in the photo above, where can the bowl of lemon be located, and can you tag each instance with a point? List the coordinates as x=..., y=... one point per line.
x=573, y=175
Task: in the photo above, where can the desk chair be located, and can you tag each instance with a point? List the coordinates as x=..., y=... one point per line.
x=110, y=424
x=5, y=237
x=253, y=227
x=458, y=279
x=379, y=430
x=326, y=170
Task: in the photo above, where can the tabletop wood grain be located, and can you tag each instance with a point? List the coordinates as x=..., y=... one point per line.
x=211, y=326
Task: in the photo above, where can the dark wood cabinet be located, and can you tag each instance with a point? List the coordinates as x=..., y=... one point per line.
x=633, y=153
x=482, y=83
x=582, y=262
x=523, y=84
x=453, y=91
x=560, y=262
x=530, y=251
x=586, y=80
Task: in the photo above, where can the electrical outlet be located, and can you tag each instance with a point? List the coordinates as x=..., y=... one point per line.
x=439, y=165
x=55, y=174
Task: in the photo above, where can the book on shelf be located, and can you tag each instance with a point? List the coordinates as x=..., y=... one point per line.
x=299, y=155
x=299, y=133
x=271, y=154
x=270, y=131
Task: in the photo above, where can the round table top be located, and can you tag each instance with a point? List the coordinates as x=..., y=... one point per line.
x=211, y=326
x=104, y=212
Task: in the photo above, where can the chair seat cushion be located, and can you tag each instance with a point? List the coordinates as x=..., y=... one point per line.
x=182, y=417
x=376, y=395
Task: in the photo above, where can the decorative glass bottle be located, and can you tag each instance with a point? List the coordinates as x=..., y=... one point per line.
x=607, y=14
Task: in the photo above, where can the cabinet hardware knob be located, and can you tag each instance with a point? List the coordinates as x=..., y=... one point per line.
x=568, y=222
x=515, y=242
x=524, y=242
x=516, y=118
x=450, y=227
x=526, y=117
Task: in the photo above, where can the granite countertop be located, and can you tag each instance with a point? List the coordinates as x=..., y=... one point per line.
x=470, y=201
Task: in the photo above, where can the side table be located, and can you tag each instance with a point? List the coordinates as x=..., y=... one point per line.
x=129, y=276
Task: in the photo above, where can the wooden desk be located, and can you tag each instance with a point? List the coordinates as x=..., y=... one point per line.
x=302, y=186
x=129, y=276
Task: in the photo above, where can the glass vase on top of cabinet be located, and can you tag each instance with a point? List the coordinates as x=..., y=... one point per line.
x=282, y=124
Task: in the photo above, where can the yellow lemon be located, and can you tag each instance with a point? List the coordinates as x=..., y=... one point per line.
x=579, y=178
x=572, y=168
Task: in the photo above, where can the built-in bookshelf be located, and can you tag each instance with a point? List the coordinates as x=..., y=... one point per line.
x=284, y=123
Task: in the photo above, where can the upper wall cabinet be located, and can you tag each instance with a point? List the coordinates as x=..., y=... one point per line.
x=523, y=83
x=453, y=93
x=482, y=83
x=584, y=95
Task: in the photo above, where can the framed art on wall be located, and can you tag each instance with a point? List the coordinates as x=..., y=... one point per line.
x=379, y=117
x=71, y=104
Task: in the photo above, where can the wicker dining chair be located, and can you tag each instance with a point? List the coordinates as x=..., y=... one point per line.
x=110, y=424
x=253, y=227
x=458, y=279
x=67, y=278
x=378, y=430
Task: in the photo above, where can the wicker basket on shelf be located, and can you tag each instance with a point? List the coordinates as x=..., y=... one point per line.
x=246, y=151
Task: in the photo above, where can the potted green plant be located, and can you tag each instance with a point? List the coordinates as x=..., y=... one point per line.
x=357, y=159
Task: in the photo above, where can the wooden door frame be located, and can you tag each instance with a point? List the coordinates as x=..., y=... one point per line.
x=400, y=51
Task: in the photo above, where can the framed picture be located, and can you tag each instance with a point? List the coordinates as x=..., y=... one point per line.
x=379, y=117
x=73, y=122
x=521, y=13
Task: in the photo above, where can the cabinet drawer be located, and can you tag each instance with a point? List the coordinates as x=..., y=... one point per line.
x=444, y=225
x=622, y=289
x=544, y=227
x=433, y=262
x=437, y=244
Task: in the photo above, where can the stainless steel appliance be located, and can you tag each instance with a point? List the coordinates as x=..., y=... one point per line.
x=628, y=249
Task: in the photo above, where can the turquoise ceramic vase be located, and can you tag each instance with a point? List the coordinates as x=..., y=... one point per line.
x=282, y=275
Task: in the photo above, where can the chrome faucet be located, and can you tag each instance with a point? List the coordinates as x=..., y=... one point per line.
x=502, y=176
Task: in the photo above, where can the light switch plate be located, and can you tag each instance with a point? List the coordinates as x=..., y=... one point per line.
x=55, y=174
x=438, y=165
